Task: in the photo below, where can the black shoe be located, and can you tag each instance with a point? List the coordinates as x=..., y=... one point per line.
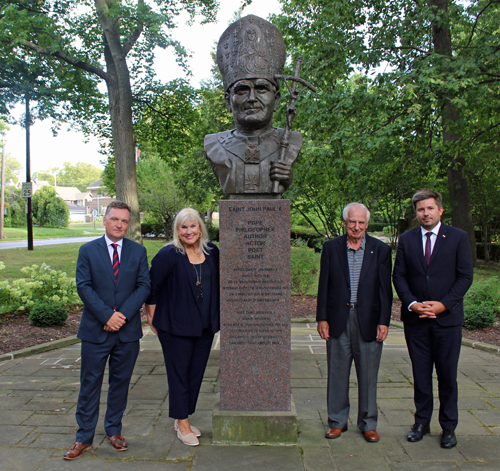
x=448, y=439
x=417, y=432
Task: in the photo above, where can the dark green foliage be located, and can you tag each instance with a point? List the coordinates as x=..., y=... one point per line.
x=46, y=313
x=152, y=228
x=305, y=269
x=16, y=208
x=494, y=252
x=159, y=196
x=374, y=132
x=304, y=238
x=213, y=232
x=481, y=304
x=48, y=209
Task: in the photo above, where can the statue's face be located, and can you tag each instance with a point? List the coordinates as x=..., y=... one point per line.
x=252, y=103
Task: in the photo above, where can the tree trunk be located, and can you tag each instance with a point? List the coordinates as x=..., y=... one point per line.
x=458, y=184
x=123, y=146
x=209, y=216
x=120, y=108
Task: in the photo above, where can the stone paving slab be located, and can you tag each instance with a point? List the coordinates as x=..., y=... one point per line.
x=38, y=394
x=251, y=458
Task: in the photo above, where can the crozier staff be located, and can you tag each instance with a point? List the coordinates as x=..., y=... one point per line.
x=183, y=310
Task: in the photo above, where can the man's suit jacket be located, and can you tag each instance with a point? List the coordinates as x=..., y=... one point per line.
x=100, y=294
x=374, y=288
x=446, y=279
x=173, y=290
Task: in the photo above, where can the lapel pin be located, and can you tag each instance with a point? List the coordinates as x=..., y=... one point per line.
x=371, y=251
x=444, y=235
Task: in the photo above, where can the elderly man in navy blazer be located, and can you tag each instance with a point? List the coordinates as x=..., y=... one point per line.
x=432, y=273
x=353, y=314
x=112, y=279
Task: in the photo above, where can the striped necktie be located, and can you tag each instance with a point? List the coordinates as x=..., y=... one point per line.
x=116, y=261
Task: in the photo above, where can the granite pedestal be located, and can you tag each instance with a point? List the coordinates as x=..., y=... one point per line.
x=255, y=398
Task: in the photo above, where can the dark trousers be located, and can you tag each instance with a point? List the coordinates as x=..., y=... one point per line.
x=430, y=344
x=122, y=357
x=185, y=360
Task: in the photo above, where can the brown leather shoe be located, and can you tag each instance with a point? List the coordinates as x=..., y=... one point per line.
x=119, y=443
x=371, y=436
x=334, y=432
x=76, y=450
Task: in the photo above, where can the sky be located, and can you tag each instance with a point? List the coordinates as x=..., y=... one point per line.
x=71, y=146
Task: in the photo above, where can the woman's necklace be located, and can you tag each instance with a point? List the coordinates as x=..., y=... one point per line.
x=198, y=283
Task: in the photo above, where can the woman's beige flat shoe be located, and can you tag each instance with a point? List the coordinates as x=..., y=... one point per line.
x=193, y=429
x=188, y=439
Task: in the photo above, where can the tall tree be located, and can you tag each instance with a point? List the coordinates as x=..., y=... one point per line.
x=80, y=175
x=111, y=40
x=12, y=169
x=426, y=61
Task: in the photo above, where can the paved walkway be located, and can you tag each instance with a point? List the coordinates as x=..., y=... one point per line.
x=37, y=423
x=19, y=244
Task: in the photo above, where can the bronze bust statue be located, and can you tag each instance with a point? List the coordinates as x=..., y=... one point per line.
x=254, y=160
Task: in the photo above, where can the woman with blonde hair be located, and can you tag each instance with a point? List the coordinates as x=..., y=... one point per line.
x=183, y=310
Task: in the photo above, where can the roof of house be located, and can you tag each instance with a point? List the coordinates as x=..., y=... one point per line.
x=74, y=208
x=83, y=195
x=95, y=185
x=67, y=192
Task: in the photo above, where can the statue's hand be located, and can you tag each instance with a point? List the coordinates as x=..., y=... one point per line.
x=280, y=171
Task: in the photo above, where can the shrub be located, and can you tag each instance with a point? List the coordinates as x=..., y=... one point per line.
x=152, y=228
x=46, y=313
x=480, y=304
x=48, y=209
x=213, y=232
x=43, y=283
x=305, y=269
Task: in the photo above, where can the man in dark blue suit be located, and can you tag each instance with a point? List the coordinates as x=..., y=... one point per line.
x=432, y=272
x=354, y=321
x=112, y=279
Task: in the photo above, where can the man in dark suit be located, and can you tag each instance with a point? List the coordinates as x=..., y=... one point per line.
x=432, y=273
x=112, y=279
x=354, y=321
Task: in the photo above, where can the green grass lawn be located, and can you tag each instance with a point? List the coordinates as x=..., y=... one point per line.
x=74, y=230
x=59, y=257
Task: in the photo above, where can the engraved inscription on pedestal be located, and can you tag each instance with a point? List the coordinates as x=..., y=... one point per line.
x=255, y=305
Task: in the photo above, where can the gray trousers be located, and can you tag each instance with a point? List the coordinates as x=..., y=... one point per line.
x=340, y=353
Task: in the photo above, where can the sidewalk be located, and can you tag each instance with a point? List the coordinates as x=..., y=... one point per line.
x=38, y=397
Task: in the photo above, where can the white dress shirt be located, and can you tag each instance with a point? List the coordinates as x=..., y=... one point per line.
x=110, y=248
x=433, y=236
x=424, y=240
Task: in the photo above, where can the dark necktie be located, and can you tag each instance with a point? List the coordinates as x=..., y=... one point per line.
x=116, y=261
x=428, y=248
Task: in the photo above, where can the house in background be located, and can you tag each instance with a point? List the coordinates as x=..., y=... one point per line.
x=100, y=199
x=77, y=213
x=72, y=195
x=76, y=201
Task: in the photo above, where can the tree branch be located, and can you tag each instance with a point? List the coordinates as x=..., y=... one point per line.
x=489, y=74
x=129, y=44
x=485, y=130
x=66, y=58
x=477, y=18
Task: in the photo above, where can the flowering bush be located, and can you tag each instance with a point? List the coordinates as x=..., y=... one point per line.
x=42, y=283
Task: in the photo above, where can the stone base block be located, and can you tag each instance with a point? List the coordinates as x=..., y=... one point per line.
x=254, y=427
